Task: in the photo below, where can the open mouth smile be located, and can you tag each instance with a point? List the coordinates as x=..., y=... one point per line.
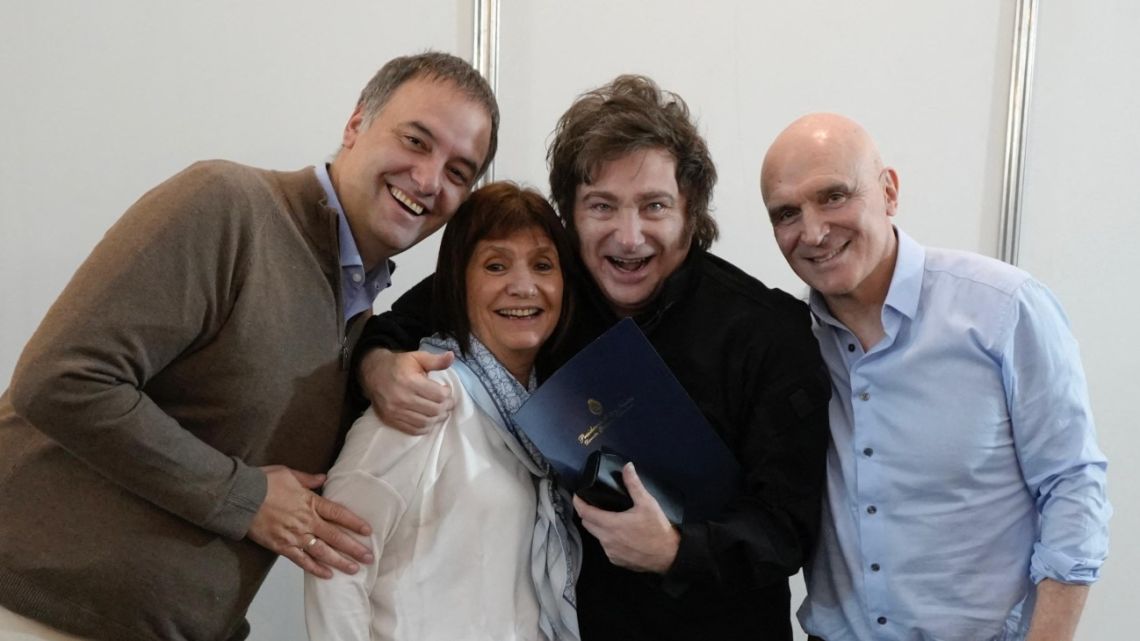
x=409, y=204
x=823, y=259
x=628, y=264
x=519, y=312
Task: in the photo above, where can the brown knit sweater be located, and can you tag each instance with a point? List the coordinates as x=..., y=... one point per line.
x=202, y=338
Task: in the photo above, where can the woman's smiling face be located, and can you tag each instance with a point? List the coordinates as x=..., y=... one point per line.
x=514, y=296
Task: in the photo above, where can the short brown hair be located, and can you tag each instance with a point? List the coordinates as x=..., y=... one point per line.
x=629, y=114
x=493, y=211
x=432, y=65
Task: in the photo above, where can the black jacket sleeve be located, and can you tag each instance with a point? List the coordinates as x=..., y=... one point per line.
x=400, y=329
x=780, y=437
x=767, y=534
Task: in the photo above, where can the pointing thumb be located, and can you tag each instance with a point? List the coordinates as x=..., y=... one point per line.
x=435, y=362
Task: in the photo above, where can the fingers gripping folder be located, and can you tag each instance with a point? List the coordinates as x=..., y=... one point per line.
x=614, y=401
x=603, y=486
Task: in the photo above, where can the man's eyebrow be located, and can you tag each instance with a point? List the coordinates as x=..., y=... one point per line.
x=425, y=132
x=776, y=204
x=832, y=187
x=422, y=129
x=779, y=208
x=657, y=195
x=649, y=195
x=819, y=193
x=599, y=193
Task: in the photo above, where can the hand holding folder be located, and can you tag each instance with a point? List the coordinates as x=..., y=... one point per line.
x=618, y=395
x=602, y=486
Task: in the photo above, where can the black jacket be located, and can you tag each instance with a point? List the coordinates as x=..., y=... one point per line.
x=747, y=356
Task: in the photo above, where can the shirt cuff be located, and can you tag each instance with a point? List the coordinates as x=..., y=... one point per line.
x=1052, y=564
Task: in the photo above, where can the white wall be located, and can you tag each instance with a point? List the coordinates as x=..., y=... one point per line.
x=103, y=100
x=930, y=79
x=1079, y=236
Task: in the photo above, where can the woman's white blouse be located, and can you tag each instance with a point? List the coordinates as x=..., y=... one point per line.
x=452, y=515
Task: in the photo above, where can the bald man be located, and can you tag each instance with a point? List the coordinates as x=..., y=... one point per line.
x=966, y=492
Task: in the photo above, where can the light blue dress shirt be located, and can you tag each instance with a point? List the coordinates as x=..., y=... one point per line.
x=358, y=289
x=963, y=466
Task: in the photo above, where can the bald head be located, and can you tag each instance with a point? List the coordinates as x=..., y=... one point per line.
x=816, y=138
x=830, y=201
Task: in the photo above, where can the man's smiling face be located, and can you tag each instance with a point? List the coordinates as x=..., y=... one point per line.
x=830, y=202
x=631, y=226
x=402, y=176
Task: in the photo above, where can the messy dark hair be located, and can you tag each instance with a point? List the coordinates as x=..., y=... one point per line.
x=630, y=114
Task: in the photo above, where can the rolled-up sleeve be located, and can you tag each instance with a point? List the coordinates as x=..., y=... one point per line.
x=1055, y=437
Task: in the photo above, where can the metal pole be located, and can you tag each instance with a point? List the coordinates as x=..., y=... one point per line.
x=485, y=54
x=1017, y=125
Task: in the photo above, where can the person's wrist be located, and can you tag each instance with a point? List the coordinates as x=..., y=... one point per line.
x=370, y=362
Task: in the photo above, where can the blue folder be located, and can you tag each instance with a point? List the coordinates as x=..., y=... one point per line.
x=617, y=393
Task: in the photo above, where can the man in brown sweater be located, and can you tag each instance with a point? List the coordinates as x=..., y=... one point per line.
x=165, y=427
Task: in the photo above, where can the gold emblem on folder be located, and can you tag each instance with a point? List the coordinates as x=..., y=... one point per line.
x=594, y=431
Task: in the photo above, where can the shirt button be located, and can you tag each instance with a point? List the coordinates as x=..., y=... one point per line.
x=851, y=347
x=871, y=509
x=356, y=277
x=868, y=451
x=882, y=620
x=874, y=567
x=864, y=396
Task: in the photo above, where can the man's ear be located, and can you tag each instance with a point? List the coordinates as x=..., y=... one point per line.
x=353, y=128
x=889, y=180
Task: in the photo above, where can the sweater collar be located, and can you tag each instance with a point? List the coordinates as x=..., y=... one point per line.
x=308, y=207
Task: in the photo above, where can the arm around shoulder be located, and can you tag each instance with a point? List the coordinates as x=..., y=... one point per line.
x=398, y=330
